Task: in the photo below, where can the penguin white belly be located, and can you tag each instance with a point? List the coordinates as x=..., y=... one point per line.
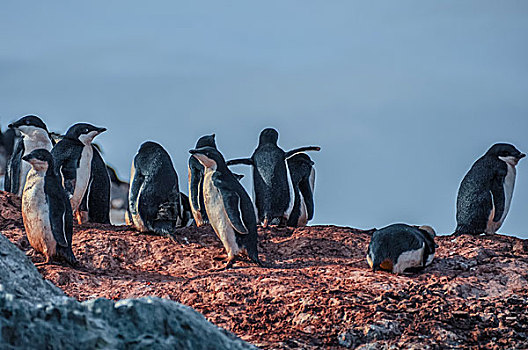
x=35, y=212
x=83, y=177
x=291, y=192
x=303, y=217
x=509, y=184
x=136, y=218
x=31, y=144
x=214, y=205
x=411, y=258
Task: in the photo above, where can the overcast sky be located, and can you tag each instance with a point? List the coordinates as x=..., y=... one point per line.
x=402, y=96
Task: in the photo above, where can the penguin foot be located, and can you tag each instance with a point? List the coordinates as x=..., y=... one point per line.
x=230, y=262
x=79, y=217
x=220, y=257
x=44, y=262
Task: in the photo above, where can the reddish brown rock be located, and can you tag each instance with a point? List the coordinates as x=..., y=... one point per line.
x=317, y=291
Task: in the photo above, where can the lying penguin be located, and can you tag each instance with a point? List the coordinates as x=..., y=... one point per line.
x=46, y=209
x=228, y=206
x=399, y=246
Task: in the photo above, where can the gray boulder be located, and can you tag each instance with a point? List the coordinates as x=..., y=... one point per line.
x=34, y=314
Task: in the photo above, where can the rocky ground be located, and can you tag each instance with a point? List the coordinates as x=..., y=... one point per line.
x=316, y=290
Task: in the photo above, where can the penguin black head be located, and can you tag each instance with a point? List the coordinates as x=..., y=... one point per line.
x=269, y=135
x=40, y=159
x=206, y=141
x=83, y=132
x=506, y=152
x=209, y=157
x=28, y=124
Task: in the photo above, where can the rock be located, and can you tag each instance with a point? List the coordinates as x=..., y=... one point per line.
x=350, y=339
x=382, y=330
x=36, y=314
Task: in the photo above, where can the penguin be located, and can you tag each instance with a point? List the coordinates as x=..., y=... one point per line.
x=118, y=190
x=154, y=196
x=485, y=193
x=272, y=185
x=228, y=206
x=73, y=161
x=302, y=175
x=399, y=246
x=185, y=211
x=33, y=135
x=196, y=173
x=46, y=209
x=96, y=201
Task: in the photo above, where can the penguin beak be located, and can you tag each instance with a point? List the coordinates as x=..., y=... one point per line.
x=202, y=158
x=101, y=130
x=11, y=126
x=27, y=158
x=521, y=156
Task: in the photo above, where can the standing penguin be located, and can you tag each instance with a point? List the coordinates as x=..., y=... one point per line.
x=228, y=206
x=185, y=210
x=485, y=194
x=196, y=174
x=96, y=201
x=302, y=175
x=154, y=197
x=34, y=135
x=73, y=160
x=399, y=247
x=273, y=189
x=46, y=210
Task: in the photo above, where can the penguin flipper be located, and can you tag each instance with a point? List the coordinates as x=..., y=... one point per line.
x=231, y=204
x=195, y=181
x=65, y=165
x=497, y=192
x=14, y=167
x=245, y=161
x=59, y=219
x=306, y=191
x=294, y=151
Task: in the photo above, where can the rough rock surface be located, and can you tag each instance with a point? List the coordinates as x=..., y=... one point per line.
x=317, y=290
x=34, y=314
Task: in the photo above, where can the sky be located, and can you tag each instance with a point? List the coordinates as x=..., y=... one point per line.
x=401, y=96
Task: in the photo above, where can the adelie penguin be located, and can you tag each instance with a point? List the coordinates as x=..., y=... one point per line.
x=228, y=206
x=73, y=161
x=154, y=197
x=399, y=247
x=96, y=201
x=302, y=174
x=34, y=135
x=196, y=175
x=272, y=184
x=46, y=209
x=485, y=194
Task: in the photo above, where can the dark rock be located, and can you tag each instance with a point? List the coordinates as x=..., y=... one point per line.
x=36, y=314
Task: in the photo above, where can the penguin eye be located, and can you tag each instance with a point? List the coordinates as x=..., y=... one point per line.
x=86, y=130
x=27, y=122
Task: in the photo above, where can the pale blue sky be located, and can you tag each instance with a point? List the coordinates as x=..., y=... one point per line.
x=402, y=96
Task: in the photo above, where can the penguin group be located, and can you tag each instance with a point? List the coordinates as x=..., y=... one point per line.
x=64, y=177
